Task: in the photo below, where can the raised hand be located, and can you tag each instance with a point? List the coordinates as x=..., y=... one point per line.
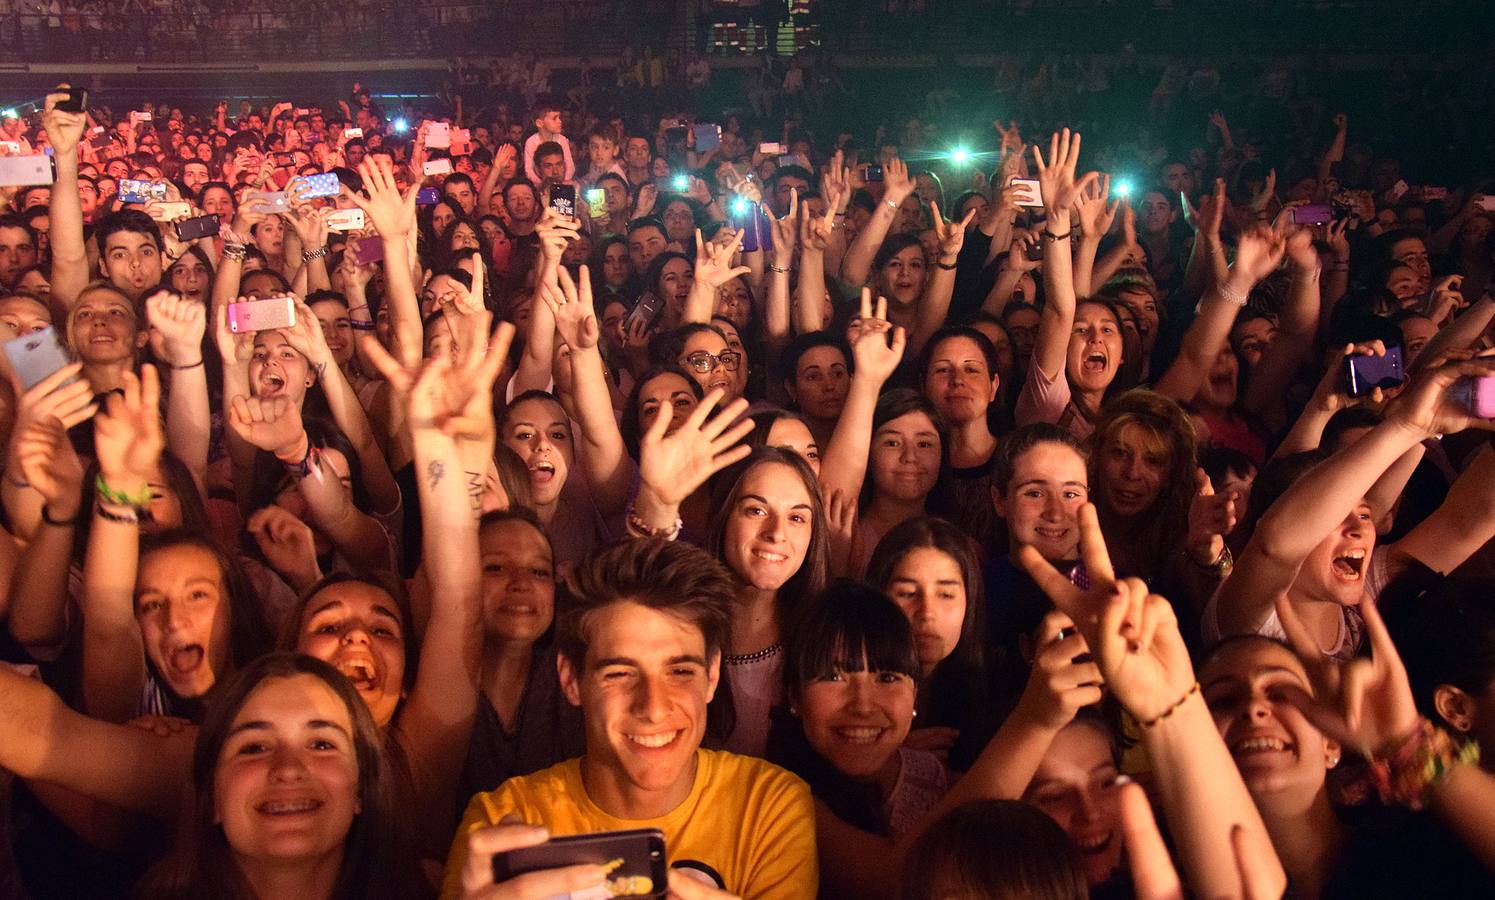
x=234, y=347
x=714, y=262
x=555, y=233
x=391, y=213
x=571, y=304
x=785, y=230
x=1017, y=253
x=504, y=155
x=874, y=354
x=648, y=195
x=951, y=235
x=1154, y=876
x=835, y=185
x=127, y=435
x=47, y=461
x=1085, y=603
x=1365, y=704
x=1258, y=254
x=815, y=231
x=1428, y=405
x=306, y=336
x=897, y=182
x=1447, y=298
x=269, y=423
x=310, y=224
x=287, y=543
x=1262, y=198
x=1056, y=177
x=1207, y=217
x=176, y=328
x=1095, y=214
x=62, y=395
x=1064, y=677
x=674, y=465
x=1329, y=395
x=452, y=397
x=1211, y=517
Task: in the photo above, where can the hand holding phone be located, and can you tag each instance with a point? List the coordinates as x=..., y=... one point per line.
x=35, y=356
x=262, y=315
x=1363, y=374
x=634, y=860
x=1028, y=193
x=563, y=200
x=438, y=135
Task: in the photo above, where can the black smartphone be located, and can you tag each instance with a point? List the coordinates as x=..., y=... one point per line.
x=1034, y=253
x=873, y=173
x=563, y=199
x=634, y=860
x=198, y=227
x=647, y=309
x=75, y=101
x=1363, y=374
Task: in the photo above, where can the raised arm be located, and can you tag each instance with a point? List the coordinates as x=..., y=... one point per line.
x=1322, y=498
x=62, y=397
x=177, y=327
x=603, y=456
x=1060, y=191
x=776, y=306
x=539, y=342
x=1206, y=266
x=1256, y=257
x=934, y=306
x=1095, y=216
x=393, y=216
x=128, y=444
x=1297, y=329
x=807, y=311
x=856, y=266
x=38, y=611
x=69, y=255
x=673, y=466
x=127, y=767
x=274, y=424
x=1462, y=524
x=713, y=270
x=876, y=350
x=306, y=336
x=1142, y=658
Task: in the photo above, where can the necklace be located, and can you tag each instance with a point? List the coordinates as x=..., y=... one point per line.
x=771, y=650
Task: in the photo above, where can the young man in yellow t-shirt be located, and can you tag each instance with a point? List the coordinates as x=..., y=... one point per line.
x=640, y=652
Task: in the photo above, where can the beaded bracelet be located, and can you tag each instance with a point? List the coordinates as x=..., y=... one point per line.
x=1174, y=708
x=120, y=498
x=782, y=270
x=1406, y=774
x=1226, y=293
x=639, y=528
x=235, y=252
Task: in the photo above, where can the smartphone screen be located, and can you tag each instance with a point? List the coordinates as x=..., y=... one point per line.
x=563, y=200
x=635, y=860
x=35, y=356
x=1312, y=214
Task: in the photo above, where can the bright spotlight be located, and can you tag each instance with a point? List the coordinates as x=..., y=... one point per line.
x=960, y=156
x=401, y=125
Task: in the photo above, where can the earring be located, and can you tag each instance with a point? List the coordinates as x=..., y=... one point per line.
x=916, y=714
x=1334, y=760
x=794, y=711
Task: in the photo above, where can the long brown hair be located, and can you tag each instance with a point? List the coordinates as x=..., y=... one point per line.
x=377, y=862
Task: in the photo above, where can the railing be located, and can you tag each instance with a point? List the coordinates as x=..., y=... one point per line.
x=283, y=30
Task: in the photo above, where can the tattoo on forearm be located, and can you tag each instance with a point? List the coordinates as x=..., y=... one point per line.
x=475, y=490
x=321, y=368
x=434, y=472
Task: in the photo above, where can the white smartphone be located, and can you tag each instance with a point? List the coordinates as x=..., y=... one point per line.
x=439, y=135
x=345, y=220
x=22, y=171
x=1028, y=193
x=437, y=167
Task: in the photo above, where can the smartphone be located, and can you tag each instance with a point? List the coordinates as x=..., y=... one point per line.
x=75, y=101
x=370, y=250
x=20, y=171
x=142, y=116
x=708, y=136
x=428, y=196
x=597, y=203
x=563, y=199
x=1363, y=374
x=301, y=112
x=199, y=227
x=1396, y=191
x=1034, y=253
x=323, y=185
x=285, y=159
x=273, y=201
x=872, y=173
x=350, y=133
x=1429, y=192
x=674, y=146
x=1476, y=394
x=169, y=210
x=647, y=309
x=438, y=135
x=437, y=167
x=133, y=191
x=1028, y=193
x=1312, y=214
x=261, y=315
x=771, y=148
x=757, y=234
x=10, y=147
x=461, y=142
x=634, y=860
x=35, y=356
x=100, y=138
x=345, y=220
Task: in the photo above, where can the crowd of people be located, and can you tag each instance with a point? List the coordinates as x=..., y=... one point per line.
x=865, y=526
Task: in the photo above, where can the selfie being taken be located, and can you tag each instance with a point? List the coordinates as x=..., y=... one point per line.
x=705, y=450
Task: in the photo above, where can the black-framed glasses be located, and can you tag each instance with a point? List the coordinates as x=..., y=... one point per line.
x=704, y=362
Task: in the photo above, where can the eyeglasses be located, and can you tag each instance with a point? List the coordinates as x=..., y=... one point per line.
x=704, y=362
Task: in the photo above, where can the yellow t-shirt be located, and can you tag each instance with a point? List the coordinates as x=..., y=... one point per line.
x=750, y=822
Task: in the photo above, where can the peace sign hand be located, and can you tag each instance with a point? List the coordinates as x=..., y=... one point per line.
x=570, y=301
x=1365, y=704
x=875, y=356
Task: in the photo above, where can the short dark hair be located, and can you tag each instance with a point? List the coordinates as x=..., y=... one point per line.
x=127, y=220
x=456, y=178
x=549, y=148
x=646, y=222
x=953, y=857
x=804, y=343
x=982, y=342
x=667, y=576
x=1004, y=461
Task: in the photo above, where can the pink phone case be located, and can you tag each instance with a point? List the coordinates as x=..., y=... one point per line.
x=261, y=315
x=1482, y=403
